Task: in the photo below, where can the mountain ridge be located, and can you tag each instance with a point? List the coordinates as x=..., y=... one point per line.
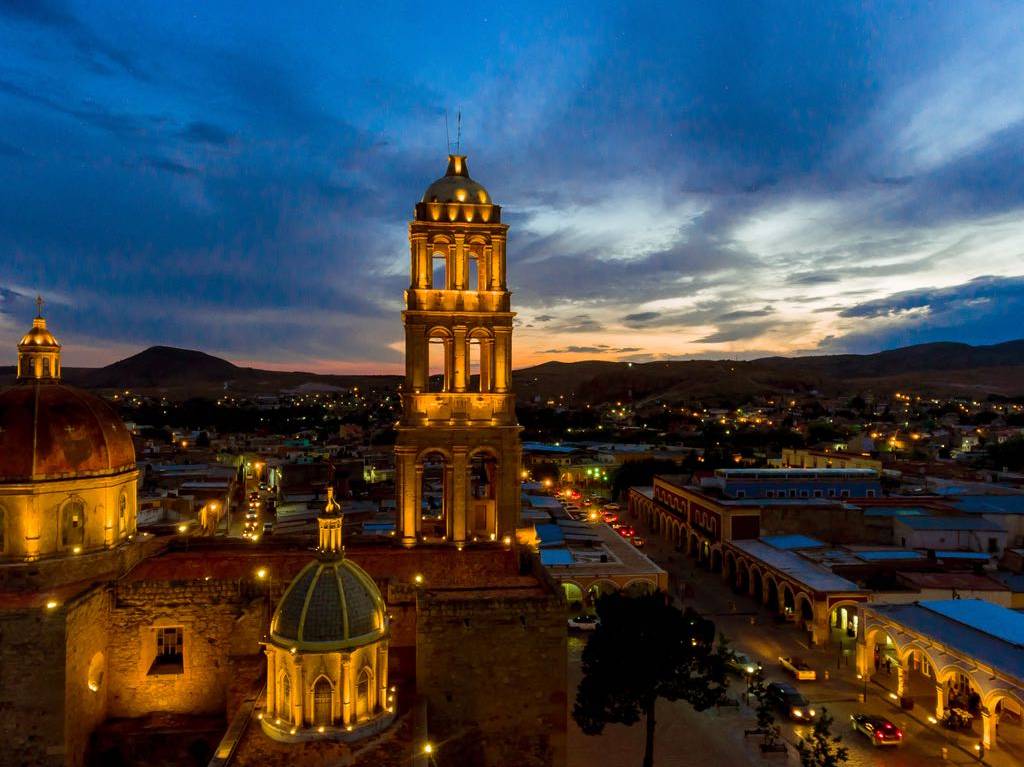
x=941, y=366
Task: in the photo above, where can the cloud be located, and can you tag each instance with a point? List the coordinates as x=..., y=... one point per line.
x=598, y=349
x=640, y=317
x=983, y=310
x=205, y=133
x=100, y=55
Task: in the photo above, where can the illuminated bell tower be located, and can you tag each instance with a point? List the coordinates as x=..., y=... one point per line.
x=457, y=453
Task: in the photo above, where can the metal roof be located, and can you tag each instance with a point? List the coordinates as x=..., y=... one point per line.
x=803, y=571
x=792, y=541
x=991, y=504
x=949, y=523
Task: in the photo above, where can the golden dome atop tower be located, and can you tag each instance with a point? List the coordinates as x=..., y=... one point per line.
x=67, y=463
x=457, y=197
x=39, y=351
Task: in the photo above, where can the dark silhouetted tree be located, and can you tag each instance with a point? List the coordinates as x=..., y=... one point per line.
x=822, y=748
x=770, y=731
x=672, y=655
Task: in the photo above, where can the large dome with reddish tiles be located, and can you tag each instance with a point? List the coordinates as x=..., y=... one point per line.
x=52, y=431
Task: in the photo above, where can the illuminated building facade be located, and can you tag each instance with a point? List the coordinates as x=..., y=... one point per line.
x=461, y=424
x=327, y=655
x=67, y=464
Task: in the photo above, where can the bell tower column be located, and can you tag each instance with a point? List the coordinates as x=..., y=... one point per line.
x=470, y=441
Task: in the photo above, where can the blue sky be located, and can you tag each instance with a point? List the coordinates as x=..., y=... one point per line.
x=682, y=179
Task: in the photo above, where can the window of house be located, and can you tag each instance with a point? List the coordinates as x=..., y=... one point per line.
x=844, y=494
x=817, y=494
x=769, y=493
x=993, y=545
x=804, y=494
x=72, y=531
x=871, y=493
x=741, y=493
x=170, y=645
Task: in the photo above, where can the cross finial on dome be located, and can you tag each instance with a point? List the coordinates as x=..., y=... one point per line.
x=39, y=306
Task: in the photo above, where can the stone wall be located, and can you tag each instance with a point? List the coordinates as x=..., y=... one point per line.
x=32, y=686
x=220, y=619
x=86, y=681
x=492, y=669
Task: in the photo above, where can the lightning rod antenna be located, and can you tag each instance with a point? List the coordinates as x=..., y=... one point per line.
x=447, y=135
x=458, y=133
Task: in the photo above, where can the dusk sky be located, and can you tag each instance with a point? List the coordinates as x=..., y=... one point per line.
x=681, y=180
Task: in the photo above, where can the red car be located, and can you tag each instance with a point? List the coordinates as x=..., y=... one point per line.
x=881, y=731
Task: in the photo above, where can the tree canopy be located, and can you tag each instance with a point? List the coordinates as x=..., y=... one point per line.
x=645, y=649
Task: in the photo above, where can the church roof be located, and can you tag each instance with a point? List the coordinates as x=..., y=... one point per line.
x=456, y=185
x=52, y=431
x=331, y=605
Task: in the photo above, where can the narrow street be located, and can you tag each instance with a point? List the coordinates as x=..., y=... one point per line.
x=685, y=738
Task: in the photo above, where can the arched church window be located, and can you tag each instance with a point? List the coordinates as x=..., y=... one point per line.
x=286, y=697
x=437, y=364
x=72, y=526
x=439, y=271
x=323, y=697
x=363, y=693
x=46, y=366
x=122, y=516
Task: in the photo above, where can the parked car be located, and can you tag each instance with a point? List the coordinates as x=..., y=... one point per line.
x=638, y=541
x=880, y=730
x=790, y=702
x=268, y=528
x=584, y=622
x=798, y=668
x=741, y=664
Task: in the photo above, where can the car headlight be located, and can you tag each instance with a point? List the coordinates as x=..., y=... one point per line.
x=750, y=669
x=798, y=713
x=810, y=712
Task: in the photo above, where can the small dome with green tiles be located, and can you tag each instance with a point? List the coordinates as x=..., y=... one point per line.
x=331, y=605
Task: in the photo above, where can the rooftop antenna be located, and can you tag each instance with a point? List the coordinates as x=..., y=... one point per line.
x=447, y=134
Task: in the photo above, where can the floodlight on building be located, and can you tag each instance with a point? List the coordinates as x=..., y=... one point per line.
x=76, y=550
x=428, y=748
x=51, y=604
x=182, y=528
x=261, y=573
x=418, y=579
x=320, y=728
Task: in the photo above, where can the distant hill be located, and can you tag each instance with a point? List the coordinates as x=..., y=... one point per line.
x=937, y=367
x=181, y=373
